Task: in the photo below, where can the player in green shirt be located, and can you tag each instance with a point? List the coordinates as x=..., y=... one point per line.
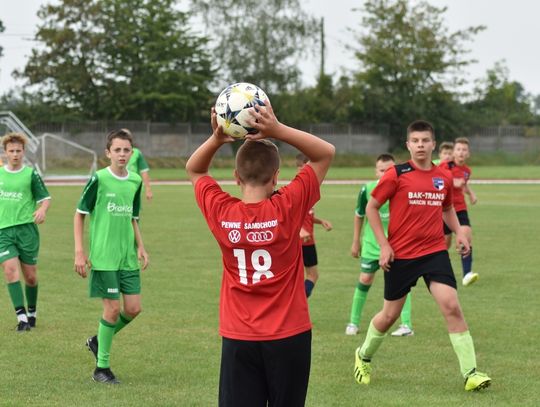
x=112, y=199
x=138, y=165
x=369, y=258
x=24, y=201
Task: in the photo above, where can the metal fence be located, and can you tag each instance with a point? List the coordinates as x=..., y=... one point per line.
x=159, y=140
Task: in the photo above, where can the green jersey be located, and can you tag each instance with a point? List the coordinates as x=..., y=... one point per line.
x=19, y=192
x=112, y=202
x=137, y=163
x=370, y=247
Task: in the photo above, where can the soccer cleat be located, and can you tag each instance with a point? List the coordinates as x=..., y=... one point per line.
x=32, y=322
x=476, y=381
x=22, y=326
x=92, y=345
x=403, y=330
x=362, y=368
x=104, y=375
x=351, y=329
x=469, y=278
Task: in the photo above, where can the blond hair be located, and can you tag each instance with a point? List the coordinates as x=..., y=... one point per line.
x=17, y=138
x=461, y=140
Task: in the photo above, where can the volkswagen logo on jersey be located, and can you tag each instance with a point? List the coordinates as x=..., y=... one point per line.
x=438, y=183
x=260, y=237
x=234, y=236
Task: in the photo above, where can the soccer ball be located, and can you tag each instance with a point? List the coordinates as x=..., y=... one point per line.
x=232, y=108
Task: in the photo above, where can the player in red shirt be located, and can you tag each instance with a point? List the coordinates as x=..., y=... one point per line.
x=307, y=237
x=461, y=174
x=420, y=194
x=264, y=318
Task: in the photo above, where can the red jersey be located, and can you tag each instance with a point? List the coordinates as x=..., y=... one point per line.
x=417, y=199
x=262, y=290
x=458, y=171
x=308, y=227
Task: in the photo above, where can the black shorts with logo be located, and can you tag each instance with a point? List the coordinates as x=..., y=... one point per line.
x=309, y=253
x=463, y=218
x=404, y=273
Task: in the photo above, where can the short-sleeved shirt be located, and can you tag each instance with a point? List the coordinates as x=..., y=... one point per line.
x=308, y=227
x=112, y=202
x=370, y=246
x=417, y=199
x=458, y=171
x=262, y=291
x=137, y=163
x=19, y=192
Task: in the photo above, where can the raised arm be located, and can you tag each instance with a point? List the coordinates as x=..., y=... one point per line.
x=319, y=152
x=198, y=164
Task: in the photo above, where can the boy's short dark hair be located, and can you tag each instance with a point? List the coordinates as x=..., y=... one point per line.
x=301, y=159
x=17, y=138
x=123, y=134
x=385, y=157
x=446, y=145
x=420, y=125
x=257, y=161
x=461, y=140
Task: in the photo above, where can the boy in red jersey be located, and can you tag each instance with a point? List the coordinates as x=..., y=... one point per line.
x=461, y=174
x=307, y=237
x=420, y=194
x=264, y=319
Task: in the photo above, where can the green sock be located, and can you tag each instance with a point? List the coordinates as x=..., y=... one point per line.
x=105, y=336
x=16, y=294
x=31, y=297
x=464, y=348
x=374, y=338
x=406, y=312
x=122, y=322
x=359, y=299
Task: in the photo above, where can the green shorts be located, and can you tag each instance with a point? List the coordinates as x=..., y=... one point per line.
x=20, y=241
x=110, y=284
x=368, y=265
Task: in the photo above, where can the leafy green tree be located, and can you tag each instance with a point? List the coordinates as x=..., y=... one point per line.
x=499, y=101
x=121, y=59
x=410, y=65
x=259, y=41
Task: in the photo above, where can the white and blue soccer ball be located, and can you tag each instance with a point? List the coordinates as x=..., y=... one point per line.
x=233, y=105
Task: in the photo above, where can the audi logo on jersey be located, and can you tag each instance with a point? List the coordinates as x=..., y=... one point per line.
x=234, y=236
x=260, y=237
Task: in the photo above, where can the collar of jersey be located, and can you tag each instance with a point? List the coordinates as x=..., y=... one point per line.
x=14, y=172
x=116, y=176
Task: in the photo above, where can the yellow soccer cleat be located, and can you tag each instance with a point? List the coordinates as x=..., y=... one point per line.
x=477, y=381
x=362, y=369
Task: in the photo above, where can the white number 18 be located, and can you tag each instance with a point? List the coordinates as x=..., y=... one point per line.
x=260, y=269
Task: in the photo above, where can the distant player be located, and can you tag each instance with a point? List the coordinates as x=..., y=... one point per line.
x=461, y=174
x=307, y=236
x=138, y=164
x=420, y=194
x=446, y=151
x=24, y=201
x=112, y=199
x=263, y=318
x=369, y=258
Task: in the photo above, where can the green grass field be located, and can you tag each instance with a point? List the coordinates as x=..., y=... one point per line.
x=170, y=355
x=349, y=173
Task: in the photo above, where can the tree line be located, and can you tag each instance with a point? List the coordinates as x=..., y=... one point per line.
x=165, y=60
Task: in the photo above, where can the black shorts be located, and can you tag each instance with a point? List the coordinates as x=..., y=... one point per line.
x=261, y=373
x=309, y=253
x=463, y=218
x=404, y=273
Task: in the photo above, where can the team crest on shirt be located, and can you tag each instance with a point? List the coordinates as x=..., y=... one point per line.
x=438, y=183
x=234, y=236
